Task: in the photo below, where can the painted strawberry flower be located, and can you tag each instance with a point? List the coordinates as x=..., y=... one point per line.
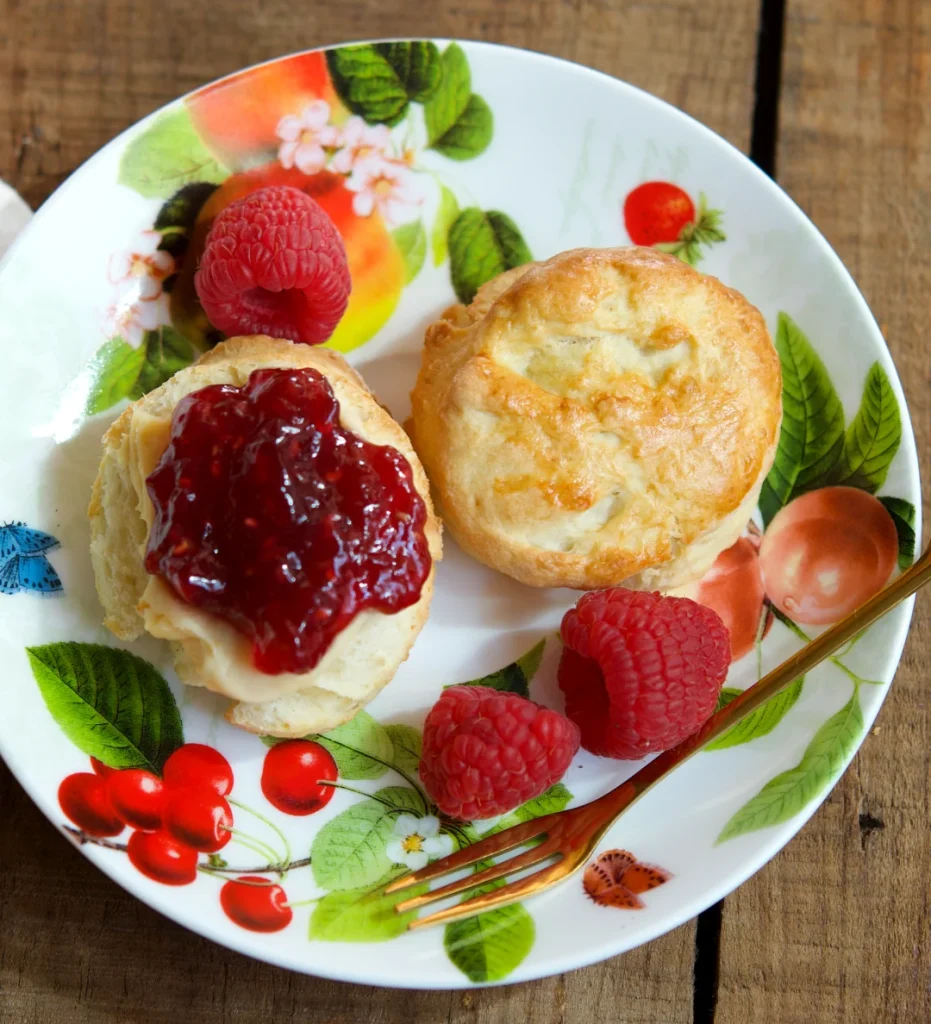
x=417, y=841
x=387, y=186
x=143, y=268
x=306, y=137
x=130, y=320
x=358, y=141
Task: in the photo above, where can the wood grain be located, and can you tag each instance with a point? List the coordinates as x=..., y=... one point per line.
x=74, y=948
x=836, y=928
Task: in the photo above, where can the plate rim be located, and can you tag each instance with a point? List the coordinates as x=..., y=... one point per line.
x=530, y=970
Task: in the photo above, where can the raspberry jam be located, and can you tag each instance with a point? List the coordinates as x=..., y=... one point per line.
x=275, y=518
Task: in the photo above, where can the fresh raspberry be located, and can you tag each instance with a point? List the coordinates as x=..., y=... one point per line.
x=640, y=671
x=486, y=752
x=274, y=264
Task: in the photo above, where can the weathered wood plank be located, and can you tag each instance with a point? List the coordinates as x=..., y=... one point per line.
x=836, y=928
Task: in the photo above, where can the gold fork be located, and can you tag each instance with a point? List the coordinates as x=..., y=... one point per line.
x=571, y=836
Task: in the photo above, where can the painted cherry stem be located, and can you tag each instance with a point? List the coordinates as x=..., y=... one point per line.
x=109, y=844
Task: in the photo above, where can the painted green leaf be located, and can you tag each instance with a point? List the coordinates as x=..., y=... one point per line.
x=363, y=915
x=470, y=134
x=903, y=515
x=114, y=371
x=368, y=84
x=513, y=678
x=490, y=946
x=417, y=65
x=726, y=696
x=481, y=246
x=556, y=798
x=165, y=352
x=120, y=371
x=349, y=851
x=529, y=663
x=873, y=437
x=180, y=211
x=762, y=721
x=510, y=241
x=411, y=240
x=448, y=211
x=168, y=155
x=451, y=97
x=812, y=434
x=361, y=748
x=785, y=795
x=111, y=704
x=407, y=743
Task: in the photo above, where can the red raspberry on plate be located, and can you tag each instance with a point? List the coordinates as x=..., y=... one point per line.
x=274, y=264
x=486, y=752
x=640, y=672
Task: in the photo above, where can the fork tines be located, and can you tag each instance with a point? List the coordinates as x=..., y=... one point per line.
x=470, y=856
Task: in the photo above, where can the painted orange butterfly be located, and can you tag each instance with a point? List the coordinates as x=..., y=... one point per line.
x=616, y=878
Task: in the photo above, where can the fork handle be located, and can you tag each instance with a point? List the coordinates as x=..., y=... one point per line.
x=615, y=802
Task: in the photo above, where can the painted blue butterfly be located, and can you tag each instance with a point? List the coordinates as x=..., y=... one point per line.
x=23, y=566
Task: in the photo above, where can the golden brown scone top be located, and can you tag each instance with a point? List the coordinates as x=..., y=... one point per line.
x=590, y=417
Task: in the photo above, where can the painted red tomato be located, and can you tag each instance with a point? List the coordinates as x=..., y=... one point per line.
x=826, y=553
x=657, y=211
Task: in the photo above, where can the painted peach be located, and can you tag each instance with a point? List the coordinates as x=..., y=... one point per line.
x=733, y=587
x=238, y=116
x=826, y=553
x=375, y=264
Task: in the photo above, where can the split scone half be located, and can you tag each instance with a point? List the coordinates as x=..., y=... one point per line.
x=361, y=659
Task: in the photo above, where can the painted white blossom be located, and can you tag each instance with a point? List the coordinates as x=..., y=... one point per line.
x=306, y=137
x=387, y=186
x=359, y=141
x=417, y=841
x=130, y=320
x=140, y=270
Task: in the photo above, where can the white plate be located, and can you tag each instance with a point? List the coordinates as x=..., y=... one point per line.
x=558, y=149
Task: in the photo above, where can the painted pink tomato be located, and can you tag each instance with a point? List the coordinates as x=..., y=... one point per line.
x=733, y=587
x=826, y=553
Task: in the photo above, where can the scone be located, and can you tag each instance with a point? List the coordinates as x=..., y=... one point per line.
x=149, y=475
x=604, y=418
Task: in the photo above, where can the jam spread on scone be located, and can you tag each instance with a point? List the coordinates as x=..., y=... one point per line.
x=275, y=518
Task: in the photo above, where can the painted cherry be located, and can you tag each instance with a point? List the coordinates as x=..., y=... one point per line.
x=138, y=797
x=162, y=858
x=253, y=902
x=197, y=766
x=199, y=818
x=84, y=799
x=292, y=773
x=826, y=553
x=733, y=587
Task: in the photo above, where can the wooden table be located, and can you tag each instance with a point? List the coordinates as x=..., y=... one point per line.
x=834, y=98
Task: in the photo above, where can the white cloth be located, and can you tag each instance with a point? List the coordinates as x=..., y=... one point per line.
x=14, y=215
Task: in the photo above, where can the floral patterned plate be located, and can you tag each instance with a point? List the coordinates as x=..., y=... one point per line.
x=441, y=164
